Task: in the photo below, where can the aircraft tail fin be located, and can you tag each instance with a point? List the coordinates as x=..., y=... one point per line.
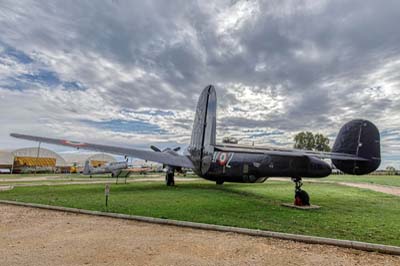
x=204, y=130
x=361, y=138
x=87, y=169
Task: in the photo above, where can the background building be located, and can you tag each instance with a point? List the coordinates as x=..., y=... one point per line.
x=77, y=160
x=36, y=159
x=31, y=159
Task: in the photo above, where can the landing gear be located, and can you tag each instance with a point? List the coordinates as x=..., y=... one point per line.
x=301, y=197
x=219, y=182
x=169, y=177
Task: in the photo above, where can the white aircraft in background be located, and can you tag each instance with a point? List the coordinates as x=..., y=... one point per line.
x=114, y=168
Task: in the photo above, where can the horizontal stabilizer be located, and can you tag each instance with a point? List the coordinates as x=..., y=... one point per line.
x=294, y=152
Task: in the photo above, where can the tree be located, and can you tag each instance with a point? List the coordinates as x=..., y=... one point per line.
x=304, y=140
x=391, y=170
x=309, y=141
x=321, y=143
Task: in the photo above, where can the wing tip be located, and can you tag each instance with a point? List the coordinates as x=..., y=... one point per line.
x=14, y=135
x=20, y=136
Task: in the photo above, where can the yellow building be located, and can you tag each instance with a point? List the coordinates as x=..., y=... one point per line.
x=34, y=159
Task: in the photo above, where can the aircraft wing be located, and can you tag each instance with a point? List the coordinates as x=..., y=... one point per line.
x=160, y=157
x=287, y=152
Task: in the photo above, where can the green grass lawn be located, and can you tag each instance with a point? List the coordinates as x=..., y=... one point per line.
x=388, y=180
x=346, y=213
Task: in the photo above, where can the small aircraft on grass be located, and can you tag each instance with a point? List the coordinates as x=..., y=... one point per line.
x=113, y=168
x=355, y=151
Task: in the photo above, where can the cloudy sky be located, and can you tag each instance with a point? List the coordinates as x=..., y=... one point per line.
x=130, y=72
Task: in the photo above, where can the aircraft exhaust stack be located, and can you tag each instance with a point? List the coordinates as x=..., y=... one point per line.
x=361, y=138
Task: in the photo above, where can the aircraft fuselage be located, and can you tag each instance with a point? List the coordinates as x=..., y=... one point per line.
x=251, y=168
x=114, y=168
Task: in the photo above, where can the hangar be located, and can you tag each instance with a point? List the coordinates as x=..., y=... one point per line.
x=32, y=159
x=45, y=160
x=79, y=159
x=5, y=161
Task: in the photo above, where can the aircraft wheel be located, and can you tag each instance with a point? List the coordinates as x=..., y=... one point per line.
x=301, y=198
x=219, y=182
x=169, y=179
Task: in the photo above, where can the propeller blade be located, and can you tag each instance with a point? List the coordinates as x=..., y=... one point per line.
x=154, y=148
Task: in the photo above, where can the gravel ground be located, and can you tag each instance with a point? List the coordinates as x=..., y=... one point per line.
x=32, y=236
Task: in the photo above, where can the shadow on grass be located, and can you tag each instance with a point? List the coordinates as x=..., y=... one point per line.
x=200, y=187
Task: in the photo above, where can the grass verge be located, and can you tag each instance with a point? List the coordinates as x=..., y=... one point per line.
x=346, y=213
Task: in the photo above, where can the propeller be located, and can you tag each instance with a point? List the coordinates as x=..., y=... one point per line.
x=170, y=169
x=156, y=149
x=176, y=149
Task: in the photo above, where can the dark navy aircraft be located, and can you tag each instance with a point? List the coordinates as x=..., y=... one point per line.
x=355, y=151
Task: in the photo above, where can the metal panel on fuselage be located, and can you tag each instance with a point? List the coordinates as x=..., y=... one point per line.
x=248, y=167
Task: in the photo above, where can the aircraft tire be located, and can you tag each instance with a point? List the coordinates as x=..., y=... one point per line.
x=302, y=198
x=169, y=179
x=219, y=182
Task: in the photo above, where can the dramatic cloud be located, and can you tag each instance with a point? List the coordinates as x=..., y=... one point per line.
x=129, y=72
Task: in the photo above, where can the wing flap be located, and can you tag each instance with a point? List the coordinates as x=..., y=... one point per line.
x=160, y=157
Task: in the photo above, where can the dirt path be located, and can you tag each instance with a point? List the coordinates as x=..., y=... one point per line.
x=378, y=188
x=41, y=237
x=58, y=177
x=30, y=178
x=5, y=188
x=92, y=181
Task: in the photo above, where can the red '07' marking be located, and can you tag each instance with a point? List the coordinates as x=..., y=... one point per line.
x=222, y=158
